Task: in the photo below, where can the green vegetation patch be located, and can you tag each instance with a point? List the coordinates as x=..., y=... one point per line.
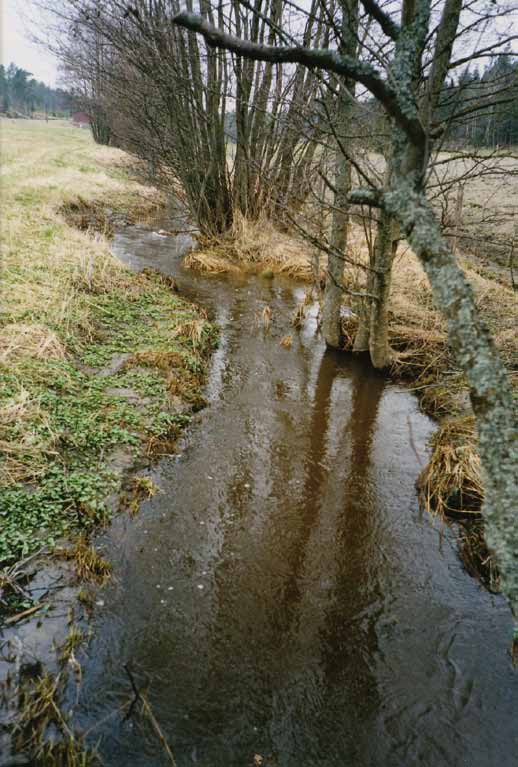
x=65, y=419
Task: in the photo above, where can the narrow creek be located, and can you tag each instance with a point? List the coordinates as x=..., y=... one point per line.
x=283, y=596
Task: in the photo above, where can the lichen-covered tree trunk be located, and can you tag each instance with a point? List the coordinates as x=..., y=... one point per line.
x=381, y=277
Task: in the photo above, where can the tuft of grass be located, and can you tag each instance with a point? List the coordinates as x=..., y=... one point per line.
x=256, y=247
x=194, y=331
x=90, y=565
x=138, y=489
x=451, y=483
x=74, y=640
x=299, y=315
x=87, y=597
x=210, y=262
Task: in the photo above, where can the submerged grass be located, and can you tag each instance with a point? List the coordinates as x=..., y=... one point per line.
x=44, y=732
x=88, y=349
x=256, y=247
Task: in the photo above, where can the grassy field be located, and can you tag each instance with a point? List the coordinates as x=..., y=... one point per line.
x=97, y=364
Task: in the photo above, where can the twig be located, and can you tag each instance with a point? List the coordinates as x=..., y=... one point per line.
x=412, y=442
x=24, y=614
x=139, y=696
x=511, y=264
x=158, y=731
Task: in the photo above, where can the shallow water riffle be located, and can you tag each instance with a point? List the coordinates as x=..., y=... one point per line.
x=282, y=596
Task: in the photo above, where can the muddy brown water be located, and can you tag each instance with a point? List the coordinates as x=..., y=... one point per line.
x=283, y=597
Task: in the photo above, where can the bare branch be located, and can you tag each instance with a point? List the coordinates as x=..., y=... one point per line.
x=313, y=58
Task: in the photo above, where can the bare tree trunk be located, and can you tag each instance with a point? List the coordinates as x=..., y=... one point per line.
x=331, y=319
x=362, y=337
x=458, y=219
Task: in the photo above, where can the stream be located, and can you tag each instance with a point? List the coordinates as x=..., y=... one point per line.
x=283, y=597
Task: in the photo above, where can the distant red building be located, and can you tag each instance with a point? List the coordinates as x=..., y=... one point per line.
x=80, y=120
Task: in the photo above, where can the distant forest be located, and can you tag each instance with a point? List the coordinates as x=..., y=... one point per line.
x=20, y=93
x=479, y=116
x=482, y=107
x=485, y=105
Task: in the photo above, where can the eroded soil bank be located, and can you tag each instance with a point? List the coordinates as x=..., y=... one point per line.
x=282, y=598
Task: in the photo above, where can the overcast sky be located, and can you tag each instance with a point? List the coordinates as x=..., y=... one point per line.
x=17, y=18
x=20, y=17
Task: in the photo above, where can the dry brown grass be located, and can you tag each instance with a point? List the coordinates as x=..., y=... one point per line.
x=476, y=557
x=36, y=340
x=210, y=261
x=452, y=481
x=192, y=330
x=23, y=408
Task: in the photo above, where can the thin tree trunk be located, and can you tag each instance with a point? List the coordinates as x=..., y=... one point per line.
x=331, y=318
x=362, y=337
x=381, y=278
x=458, y=218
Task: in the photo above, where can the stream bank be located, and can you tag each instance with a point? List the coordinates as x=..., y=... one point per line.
x=282, y=597
x=101, y=370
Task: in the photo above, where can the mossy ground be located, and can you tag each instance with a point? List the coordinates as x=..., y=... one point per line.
x=69, y=311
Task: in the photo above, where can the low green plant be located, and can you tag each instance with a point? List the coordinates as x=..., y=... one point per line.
x=75, y=412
